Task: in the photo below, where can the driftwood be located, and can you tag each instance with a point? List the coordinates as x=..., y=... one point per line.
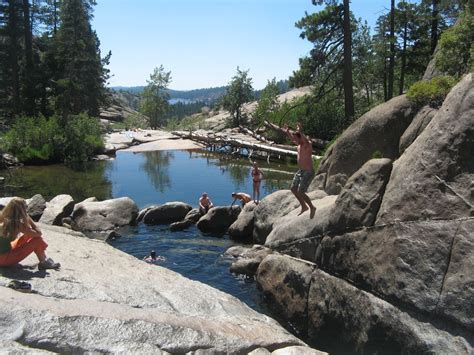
x=237, y=144
x=317, y=143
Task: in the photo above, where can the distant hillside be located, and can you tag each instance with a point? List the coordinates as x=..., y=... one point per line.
x=206, y=95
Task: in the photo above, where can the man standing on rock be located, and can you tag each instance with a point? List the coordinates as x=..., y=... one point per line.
x=305, y=174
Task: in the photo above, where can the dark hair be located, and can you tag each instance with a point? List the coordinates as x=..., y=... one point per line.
x=153, y=254
x=298, y=134
x=234, y=194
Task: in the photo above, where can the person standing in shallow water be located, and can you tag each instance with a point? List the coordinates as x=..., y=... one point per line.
x=14, y=221
x=257, y=176
x=305, y=174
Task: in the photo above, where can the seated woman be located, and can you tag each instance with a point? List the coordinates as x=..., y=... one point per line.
x=242, y=197
x=19, y=237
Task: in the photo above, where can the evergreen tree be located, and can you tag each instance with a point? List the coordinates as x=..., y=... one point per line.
x=154, y=99
x=80, y=75
x=268, y=101
x=238, y=92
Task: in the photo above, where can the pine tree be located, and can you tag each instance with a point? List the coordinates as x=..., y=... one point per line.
x=80, y=77
x=238, y=92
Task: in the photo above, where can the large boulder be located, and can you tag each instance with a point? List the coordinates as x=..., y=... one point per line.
x=242, y=228
x=286, y=283
x=379, y=130
x=273, y=207
x=36, y=206
x=298, y=235
x=193, y=215
x=58, y=208
x=105, y=301
x=104, y=215
x=248, y=260
x=419, y=123
x=415, y=263
x=218, y=219
x=358, y=203
x=367, y=324
x=434, y=176
x=169, y=212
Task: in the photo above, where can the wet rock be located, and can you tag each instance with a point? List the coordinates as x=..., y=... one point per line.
x=169, y=212
x=193, y=215
x=59, y=207
x=181, y=225
x=218, y=219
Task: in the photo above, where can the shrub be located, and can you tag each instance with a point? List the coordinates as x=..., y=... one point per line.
x=431, y=92
x=377, y=155
x=39, y=140
x=83, y=138
x=34, y=140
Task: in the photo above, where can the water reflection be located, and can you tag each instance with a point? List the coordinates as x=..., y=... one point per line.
x=156, y=165
x=81, y=182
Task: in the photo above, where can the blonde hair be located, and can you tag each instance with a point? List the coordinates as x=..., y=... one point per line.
x=12, y=216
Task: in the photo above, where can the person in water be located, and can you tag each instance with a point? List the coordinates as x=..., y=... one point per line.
x=153, y=257
x=305, y=174
x=242, y=197
x=20, y=236
x=205, y=203
x=257, y=176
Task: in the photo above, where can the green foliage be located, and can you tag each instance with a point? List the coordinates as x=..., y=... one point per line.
x=431, y=92
x=154, y=99
x=135, y=121
x=82, y=138
x=455, y=55
x=34, y=140
x=377, y=155
x=267, y=102
x=43, y=140
x=238, y=92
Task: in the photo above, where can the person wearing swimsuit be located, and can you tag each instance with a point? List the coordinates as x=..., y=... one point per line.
x=257, y=176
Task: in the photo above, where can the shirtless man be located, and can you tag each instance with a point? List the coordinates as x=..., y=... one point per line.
x=242, y=197
x=205, y=203
x=305, y=174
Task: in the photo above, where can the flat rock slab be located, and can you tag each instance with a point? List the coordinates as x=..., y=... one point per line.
x=165, y=144
x=103, y=300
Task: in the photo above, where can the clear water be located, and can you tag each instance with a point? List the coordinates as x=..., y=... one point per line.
x=155, y=178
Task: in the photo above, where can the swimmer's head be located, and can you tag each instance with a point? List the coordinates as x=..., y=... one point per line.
x=234, y=194
x=153, y=254
x=204, y=194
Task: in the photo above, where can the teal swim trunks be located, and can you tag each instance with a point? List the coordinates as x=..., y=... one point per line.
x=302, y=180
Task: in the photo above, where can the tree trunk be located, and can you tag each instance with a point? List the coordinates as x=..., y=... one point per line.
x=434, y=25
x=347, y=75
x=404, y=55
x=13, y=25
x=28, y=54
x=391, y=64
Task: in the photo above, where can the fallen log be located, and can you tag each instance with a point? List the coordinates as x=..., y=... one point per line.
x=277, y=151
x=257, y=136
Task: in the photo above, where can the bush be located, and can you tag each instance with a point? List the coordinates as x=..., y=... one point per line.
x=34, y=140
x=43, y=140
x=431, y=92
x=83, y=138
x=377, y=155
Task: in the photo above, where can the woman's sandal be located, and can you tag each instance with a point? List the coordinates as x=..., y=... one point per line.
x=21, y=286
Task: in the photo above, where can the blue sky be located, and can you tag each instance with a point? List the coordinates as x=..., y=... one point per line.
x=203, y=41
